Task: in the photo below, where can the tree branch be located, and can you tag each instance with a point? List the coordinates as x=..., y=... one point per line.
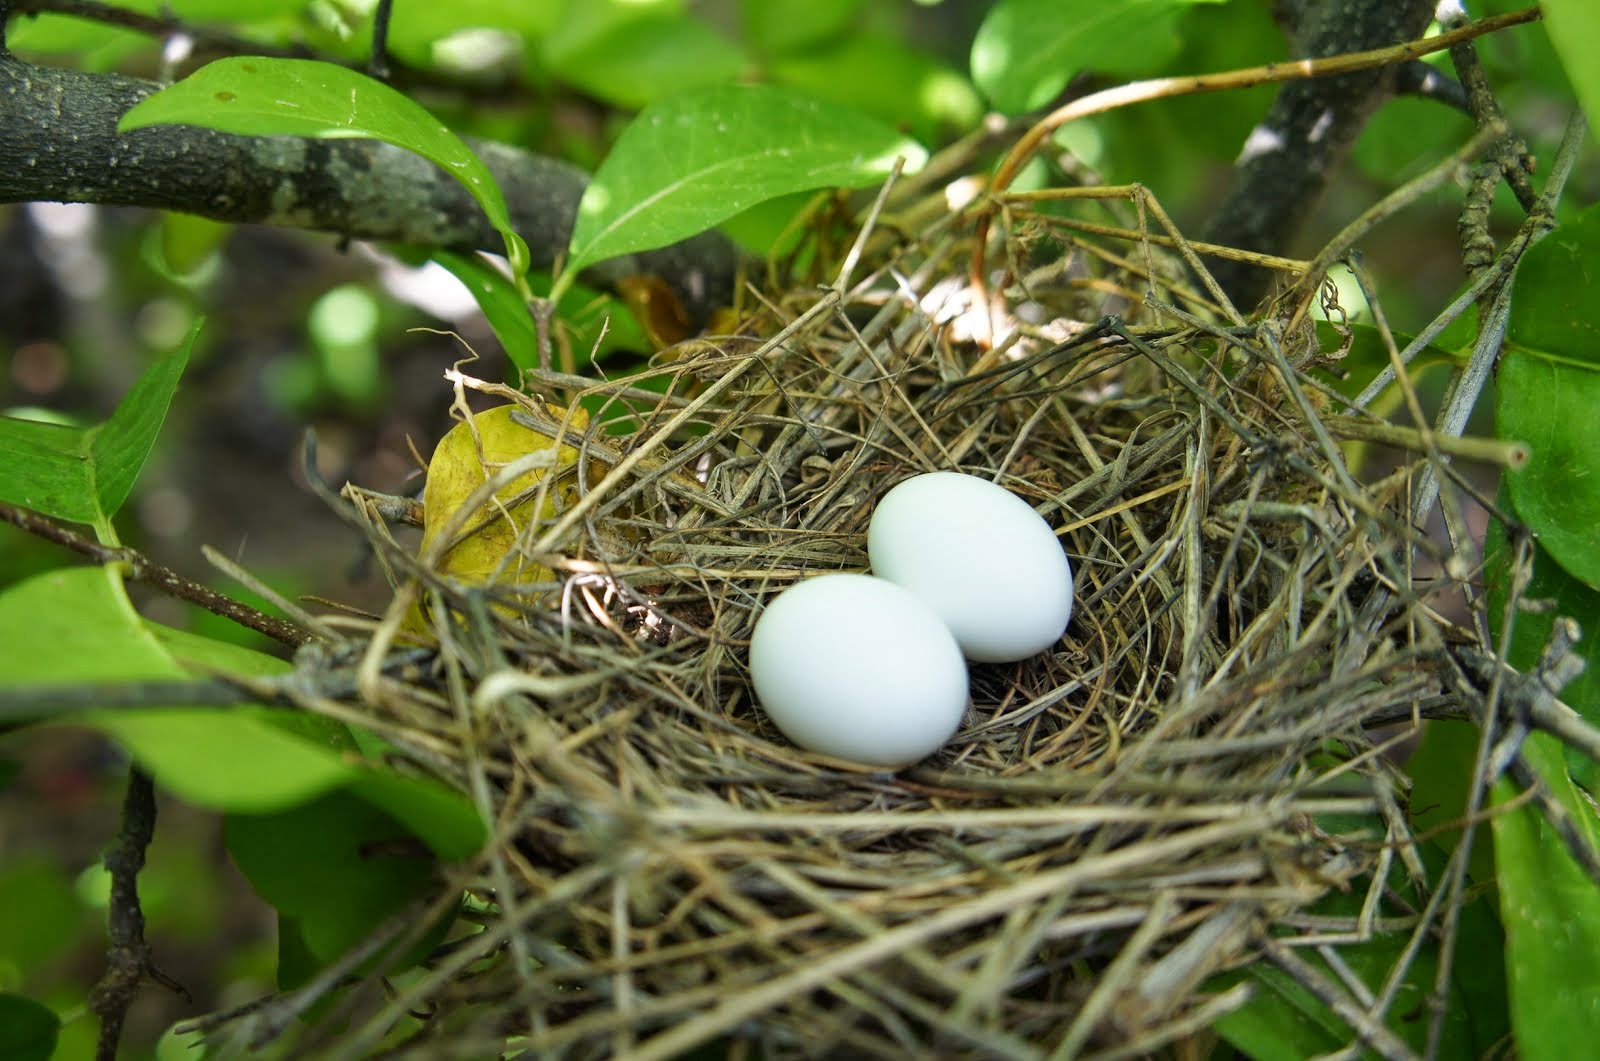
x=128, y=962
x=1291, y=156
x=59, y=142
x=142, y=569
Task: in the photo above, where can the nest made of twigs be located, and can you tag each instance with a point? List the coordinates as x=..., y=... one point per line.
x=1118, y=820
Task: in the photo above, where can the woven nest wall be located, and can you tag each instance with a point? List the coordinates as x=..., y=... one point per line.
x=1118, y=821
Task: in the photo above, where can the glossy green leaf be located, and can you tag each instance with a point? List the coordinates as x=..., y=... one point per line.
x=772, y=228
x=1551, y=406
x=1553, y=311
x=84, y=474
x=206, y=654
x=28, y=1029
x=689, y=162
x=640, y=60
x=1441, y=770
x=89, y=45
x=881, y=75
x=338, y=867
x=592, y=322
x=1549, y=387
x=1026, y=51
x=254, y=96
x=1551, y=911
x=1282, y=1022
x=501, y=303
x=1574, y=27
x=437, y=815
x=779, y=27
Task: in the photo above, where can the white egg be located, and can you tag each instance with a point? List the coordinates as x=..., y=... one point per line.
x=981, y=557
x=858, y=668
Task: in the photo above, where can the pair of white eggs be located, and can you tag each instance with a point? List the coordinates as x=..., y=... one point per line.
x=870, y=668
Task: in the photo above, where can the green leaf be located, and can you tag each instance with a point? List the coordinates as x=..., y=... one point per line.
x=502, y=305
x=779, y=27
x=689, y=162
x=89, y=45
x=1026, y=51
x=254, y=96
x=641, y=59
x=205, y=654
x=84, y=474
x=1551, y=406
x=49, y=469
x=584, y=315
x=75, y=625
x=337, y=867
x=1551, y=911
x=1556, y=288
x=1574, y=26
x=881, y=75
x=1549, y=385
x=1282, y=1022
x=28, y=1030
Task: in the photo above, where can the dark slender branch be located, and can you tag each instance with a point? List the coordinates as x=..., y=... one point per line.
x=1291, y=156
x=59, y=142
x=210, y=40
x=141, y=569
x=1417, y=78
x=128, y=961
x=378, y=64
x=156, y=25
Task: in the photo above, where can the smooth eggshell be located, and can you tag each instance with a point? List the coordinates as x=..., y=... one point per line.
x=858, y=668
x=982, y=558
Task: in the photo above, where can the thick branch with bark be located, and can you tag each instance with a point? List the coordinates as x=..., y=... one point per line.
x=59, y=143
x=1291, y=156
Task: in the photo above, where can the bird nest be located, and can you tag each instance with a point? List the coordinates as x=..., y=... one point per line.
x=1119, y=822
